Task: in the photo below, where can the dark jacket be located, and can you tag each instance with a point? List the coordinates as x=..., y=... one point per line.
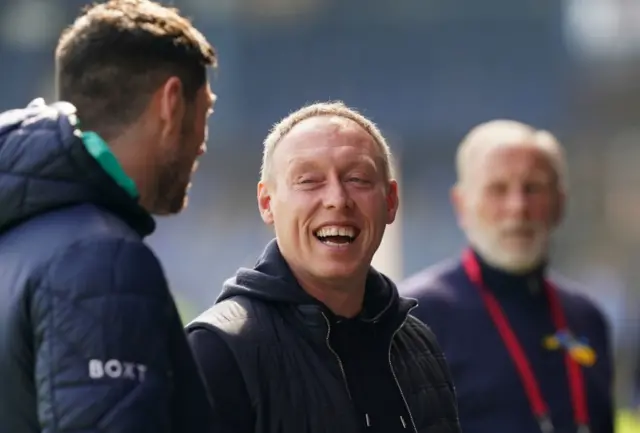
x=90, y=339
x=278, y=361
x=491, y=396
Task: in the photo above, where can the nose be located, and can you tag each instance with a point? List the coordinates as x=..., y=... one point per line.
x=517, y=203
x=336, y=196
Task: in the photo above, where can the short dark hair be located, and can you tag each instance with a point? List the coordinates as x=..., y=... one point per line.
x=116, y=54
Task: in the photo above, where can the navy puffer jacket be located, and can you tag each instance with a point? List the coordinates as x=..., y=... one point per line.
x=90, y=338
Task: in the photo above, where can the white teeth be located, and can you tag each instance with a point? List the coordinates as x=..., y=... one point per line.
x=336, y=231
x=336, y=244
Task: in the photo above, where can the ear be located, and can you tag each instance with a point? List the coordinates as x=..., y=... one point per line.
x=172, y=106
x=393, y=201
x=264, y=203
x=560, y=208
x=457, y=201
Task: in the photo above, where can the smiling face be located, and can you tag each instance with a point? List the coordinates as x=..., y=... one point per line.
x=328, y=198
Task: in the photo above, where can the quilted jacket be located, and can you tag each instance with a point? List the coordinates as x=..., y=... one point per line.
x=90, y=338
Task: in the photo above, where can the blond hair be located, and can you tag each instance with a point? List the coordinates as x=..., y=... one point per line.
x=318, y=109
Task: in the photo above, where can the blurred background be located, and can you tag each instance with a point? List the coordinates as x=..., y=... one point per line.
x=426, y=71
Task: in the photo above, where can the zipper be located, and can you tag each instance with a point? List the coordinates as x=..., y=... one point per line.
x=395, y=377
x=344, y=375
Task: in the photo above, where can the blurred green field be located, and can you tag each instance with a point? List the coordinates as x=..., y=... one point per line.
x=627, y=422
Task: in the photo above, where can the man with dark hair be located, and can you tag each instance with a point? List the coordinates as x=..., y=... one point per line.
x=124, y=57
x=90, y=338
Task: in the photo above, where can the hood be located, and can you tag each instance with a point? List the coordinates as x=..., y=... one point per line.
x=44, y=165
x=271, y=280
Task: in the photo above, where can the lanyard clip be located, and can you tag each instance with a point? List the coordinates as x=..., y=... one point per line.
x=546, y=426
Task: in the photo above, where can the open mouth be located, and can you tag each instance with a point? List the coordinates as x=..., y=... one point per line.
x=337, y=235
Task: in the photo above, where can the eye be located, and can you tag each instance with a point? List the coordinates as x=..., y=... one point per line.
x=535, y=188
x=356, y=179
x=306, y=181
x=497, y=189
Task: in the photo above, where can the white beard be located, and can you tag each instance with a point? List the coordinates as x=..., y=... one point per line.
x=507, y=248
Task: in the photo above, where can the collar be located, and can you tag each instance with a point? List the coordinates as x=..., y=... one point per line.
x=272, y=280
x=504, y=283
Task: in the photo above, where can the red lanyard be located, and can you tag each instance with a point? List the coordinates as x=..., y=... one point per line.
x=576, y=380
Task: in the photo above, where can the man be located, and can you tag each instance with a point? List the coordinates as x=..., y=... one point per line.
x=313, y=339
x=90, y=339
x=527, y=353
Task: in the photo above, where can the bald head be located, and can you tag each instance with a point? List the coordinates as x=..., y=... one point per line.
x=336, y=111
x=507, y=133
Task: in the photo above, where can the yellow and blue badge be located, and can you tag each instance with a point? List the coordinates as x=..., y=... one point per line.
x=578, y=349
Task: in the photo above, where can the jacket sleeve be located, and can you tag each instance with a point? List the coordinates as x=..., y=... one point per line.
x=100, y=316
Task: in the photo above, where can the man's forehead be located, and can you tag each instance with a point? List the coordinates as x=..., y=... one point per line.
x=502, y=159
x=325, y=125
x=309, y=158
x=503, y=151
x=320, y=133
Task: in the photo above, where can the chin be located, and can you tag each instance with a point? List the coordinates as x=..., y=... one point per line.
x=517, y=256
x=185, y=203
x=180, y=200
x=336, y=271
x=171, y=207
x=517, y=261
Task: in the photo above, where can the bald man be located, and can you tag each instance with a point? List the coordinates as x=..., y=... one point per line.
x=527, y=352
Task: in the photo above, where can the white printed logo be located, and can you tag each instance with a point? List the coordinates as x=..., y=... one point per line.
x=116, y=369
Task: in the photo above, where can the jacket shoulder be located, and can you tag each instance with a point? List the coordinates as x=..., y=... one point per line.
x=574, y=296
x=236, y=309
x=418, y=330
x=38, y=239
x=239, y=317
x=434, y=282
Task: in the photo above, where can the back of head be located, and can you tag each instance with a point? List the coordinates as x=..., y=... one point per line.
x=115, y=55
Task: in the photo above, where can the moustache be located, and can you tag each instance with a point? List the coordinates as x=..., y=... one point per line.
x=519, y=228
